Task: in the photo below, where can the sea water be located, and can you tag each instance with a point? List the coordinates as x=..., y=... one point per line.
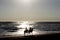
x=39, y=28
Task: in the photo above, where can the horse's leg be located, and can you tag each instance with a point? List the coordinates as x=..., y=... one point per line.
x=24, y=33
x=31, y=33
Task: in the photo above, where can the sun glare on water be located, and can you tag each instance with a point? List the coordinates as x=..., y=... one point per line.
x=24, y=25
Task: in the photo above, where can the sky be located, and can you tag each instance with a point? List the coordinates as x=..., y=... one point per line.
x=29, y=10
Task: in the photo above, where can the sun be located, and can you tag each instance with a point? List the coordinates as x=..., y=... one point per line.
x=25, y=1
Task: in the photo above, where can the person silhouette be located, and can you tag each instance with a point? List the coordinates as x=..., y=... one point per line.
x=28, y=31
x=25, y=30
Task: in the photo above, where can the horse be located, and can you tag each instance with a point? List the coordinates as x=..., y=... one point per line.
x=28, y=31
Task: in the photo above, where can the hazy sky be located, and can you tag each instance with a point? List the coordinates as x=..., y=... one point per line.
x=29, y=9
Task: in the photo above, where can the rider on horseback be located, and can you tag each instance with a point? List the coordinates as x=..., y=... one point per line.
x=28, y=31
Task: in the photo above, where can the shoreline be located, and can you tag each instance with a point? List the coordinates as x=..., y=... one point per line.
x=43, y=37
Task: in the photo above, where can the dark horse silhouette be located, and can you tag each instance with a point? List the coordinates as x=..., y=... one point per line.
x=28, y=31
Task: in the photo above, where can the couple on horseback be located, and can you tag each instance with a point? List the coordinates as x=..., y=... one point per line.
x=28, y=31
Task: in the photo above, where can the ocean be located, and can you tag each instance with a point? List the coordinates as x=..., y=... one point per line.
x=8, y=29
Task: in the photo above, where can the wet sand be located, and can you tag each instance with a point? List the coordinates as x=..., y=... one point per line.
x=54, y=36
